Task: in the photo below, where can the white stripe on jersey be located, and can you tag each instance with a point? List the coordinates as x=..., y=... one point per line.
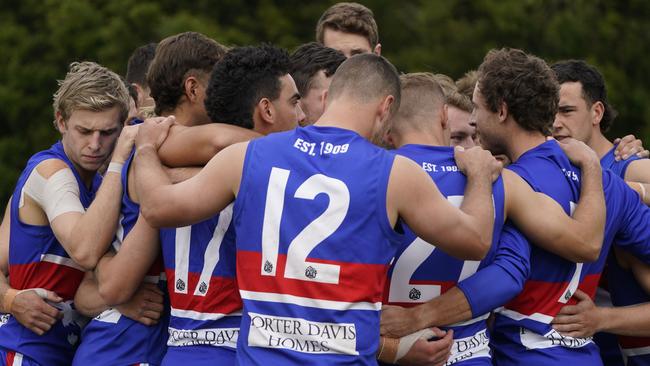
x=53, y=258
x=110, y=315
x=538, y=317
x=630, y=352
x=309, y=302
x=18, y=359
x=196, y=315
x=182, y=260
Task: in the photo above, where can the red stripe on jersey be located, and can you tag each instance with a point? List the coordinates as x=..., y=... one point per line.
x=444, y=287
x=358, y=282
x=61, y=279
x=222, y=296
x=542, y=297
x=10, y=358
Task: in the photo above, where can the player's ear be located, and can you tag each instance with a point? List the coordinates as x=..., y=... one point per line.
x=59, y=122
x=377, y=50
x=192, y=86
x=597, y=112
x=444, y=116
x=503, y=111
x=384, y=109
x=266, y=110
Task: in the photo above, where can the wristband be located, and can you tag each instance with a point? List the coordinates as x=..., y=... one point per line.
x=114, y=167
x=8, y=300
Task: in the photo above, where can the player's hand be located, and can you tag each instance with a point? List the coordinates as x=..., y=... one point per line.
x=579, y=320
x=578, y=152
x=124, y=144
x=629, y=146
x=153, y=131
x=31, y=309
x=146, y=305
x=426, y=352
x=397, y=322
x=477, y=162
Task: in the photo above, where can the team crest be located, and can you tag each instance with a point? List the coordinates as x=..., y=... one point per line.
x=310, y=272
x=268, y=267
x=180, y=285
x=203, y=288
x=415, y=294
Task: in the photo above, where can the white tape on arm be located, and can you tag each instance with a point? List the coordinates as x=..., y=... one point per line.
x=56, y=195
x=406, y=342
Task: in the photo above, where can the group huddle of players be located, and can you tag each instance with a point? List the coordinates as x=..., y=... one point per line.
x=319, y=208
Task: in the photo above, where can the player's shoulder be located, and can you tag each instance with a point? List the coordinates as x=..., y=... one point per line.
x=49, y=167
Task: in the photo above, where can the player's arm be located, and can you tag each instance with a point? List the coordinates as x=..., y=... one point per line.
x=490, y=287
x=188, y=146
x=145, y=306
x=85, y=235
x=119, y=275
x=584, y=319
x=205, y=194
x=464, y=233
x=578, y=238
x=27, y=306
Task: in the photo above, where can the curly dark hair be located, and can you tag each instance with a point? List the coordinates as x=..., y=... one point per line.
x=593, y=86
x=524, y=83
x=178, y=57
x=309, y=59
x=243, y=77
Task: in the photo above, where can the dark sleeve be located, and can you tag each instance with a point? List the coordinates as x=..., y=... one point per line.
x=629, y=217
x=500, y=281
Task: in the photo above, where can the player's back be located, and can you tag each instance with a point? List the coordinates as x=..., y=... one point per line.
x=38, y=260
x=313, y=246
x=421, y=273
x=205, y=303
x=111, y=337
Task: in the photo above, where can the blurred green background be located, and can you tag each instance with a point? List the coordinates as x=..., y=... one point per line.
x=39, y=38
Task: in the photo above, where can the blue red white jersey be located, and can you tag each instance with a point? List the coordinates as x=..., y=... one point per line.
x=624, y=288
x=37, y=259
x=421, y=273
x=313, y=247
x=522, y=328
x=205, y=303
x=112, y=339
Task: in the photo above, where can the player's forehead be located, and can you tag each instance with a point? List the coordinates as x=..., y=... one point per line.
x=95, y=120
x=288, y=89
x=348, y=43
x=571, y=93
x=459, y=119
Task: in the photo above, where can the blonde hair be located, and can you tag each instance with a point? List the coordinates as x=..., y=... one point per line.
x=90, y=86
x=453, y=97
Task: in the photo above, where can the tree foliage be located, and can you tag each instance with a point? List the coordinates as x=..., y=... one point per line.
x=39, y=39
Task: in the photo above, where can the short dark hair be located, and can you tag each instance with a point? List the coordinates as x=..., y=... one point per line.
x=524, y=83
x=349, y=18
x=310, y=58
x=178, y=57
x=593, y=86
x=136, y=69
x=243, y=77
x=365, y=77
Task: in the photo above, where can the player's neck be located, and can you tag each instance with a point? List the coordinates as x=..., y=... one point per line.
x=521, y=141
x=184, y=116
x=356, y=117
x=600, y=144
x=418, y=138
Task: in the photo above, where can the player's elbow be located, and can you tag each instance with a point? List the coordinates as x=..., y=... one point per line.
x=592, y=251
x=113, y=293
x=86, y=259
x=155, y=214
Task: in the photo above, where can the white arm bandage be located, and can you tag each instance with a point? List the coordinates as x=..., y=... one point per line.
x=56, y=195
x=406, y=342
